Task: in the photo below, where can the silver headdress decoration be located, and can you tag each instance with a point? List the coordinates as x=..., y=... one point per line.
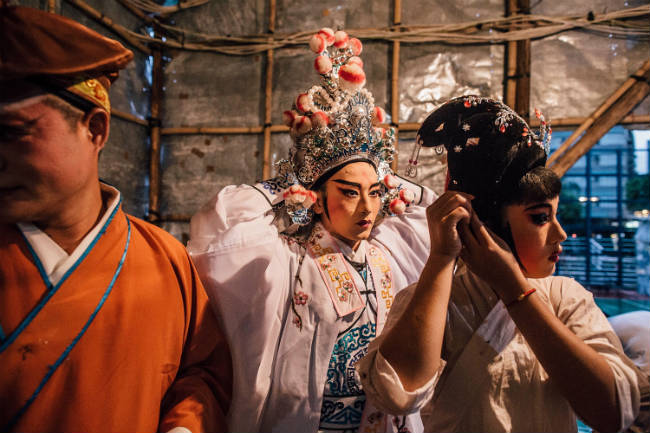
x=337, y=121
x=334, y=123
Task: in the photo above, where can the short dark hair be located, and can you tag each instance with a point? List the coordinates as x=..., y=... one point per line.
x=537, y=185
x=70, y=113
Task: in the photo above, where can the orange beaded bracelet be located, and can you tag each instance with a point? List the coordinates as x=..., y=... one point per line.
x=521, y=297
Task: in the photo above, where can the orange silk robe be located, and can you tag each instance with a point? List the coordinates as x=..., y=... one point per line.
x=153, y=358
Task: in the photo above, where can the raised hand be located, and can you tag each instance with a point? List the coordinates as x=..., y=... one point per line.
x=489, y=257
x=444, y=216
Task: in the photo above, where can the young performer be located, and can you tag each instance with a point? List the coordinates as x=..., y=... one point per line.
x=495, y=341
x=299, y=268
x=104, y=325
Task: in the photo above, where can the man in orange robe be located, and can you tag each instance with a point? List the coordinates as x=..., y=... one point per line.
x=104, y=324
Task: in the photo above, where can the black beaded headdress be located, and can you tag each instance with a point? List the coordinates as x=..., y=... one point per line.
x=489, y=148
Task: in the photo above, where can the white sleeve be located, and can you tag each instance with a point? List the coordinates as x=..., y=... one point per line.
x=381, y=383
x=406, y=236
x=244, y=266
x=576, y=308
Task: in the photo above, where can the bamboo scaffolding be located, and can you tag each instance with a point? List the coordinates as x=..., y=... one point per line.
x=123, y=32
x=128, y=117
x=517, y=70
x=394, y=82
x=154, y=162
x=268, y=99
x=516, y=31
x=602, y=124
x=519, y=27
x=643, y=70
x=405, y=127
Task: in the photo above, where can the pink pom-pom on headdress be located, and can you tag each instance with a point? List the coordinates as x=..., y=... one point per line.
x=297, y=195
x=288, y=117
x=303, y=103
x=354, y=60
x=378, y=116
x=352, y=77
x=341, y=39
x=397, y=206
x=327, y=34
x=301, y=125
x=390, y=181
x=406, y=195
x=356, y=46
x=323, y=65
x=317, y=43
x=319, y=119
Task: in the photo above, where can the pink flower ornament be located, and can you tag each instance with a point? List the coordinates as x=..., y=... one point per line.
x=298, y=195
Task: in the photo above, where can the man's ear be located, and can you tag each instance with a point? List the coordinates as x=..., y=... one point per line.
x=97, y=122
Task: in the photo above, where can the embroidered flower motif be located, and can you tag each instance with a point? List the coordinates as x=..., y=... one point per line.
x=385, y=282
x=457, y=148
x=300, y=298
x=347, y=285
x=372, y=251
x=297, y=321
x=466, y=127
x=343, y=296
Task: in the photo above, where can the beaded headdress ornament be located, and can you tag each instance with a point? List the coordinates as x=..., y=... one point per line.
x=335, y=123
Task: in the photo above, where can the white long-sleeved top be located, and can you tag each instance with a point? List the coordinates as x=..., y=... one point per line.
x=492, y=381
x=252, y=273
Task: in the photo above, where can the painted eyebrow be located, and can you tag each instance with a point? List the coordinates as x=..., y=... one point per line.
x=539, y=206
x=357, y=185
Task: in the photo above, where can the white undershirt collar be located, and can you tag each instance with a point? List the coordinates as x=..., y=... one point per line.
x=55, y=261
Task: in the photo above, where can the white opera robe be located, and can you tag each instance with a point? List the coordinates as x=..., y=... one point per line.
x=280, y=317
x=490, y=379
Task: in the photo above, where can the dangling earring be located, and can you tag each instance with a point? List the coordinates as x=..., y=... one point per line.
x=412, y=168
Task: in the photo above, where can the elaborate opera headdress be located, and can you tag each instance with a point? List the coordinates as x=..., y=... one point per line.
x=489, y=148
x=333, y=124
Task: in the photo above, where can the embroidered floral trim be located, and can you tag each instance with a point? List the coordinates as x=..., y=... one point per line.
x=300, y=298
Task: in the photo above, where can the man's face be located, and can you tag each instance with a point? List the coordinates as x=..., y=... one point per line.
x=353, y=199
x=537, y=235
x=44, y=162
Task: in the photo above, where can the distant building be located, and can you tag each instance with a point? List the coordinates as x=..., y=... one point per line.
x=598, y=174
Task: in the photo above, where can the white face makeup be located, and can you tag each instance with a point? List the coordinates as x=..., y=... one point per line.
x=353, y=200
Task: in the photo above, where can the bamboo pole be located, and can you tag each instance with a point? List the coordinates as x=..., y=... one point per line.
x=394, y=82
x=108, y=23
x=643, y=70
x=517, y=79
x=601, y=125
x=406, y=127
x=268, y=98
x=156, y=111
x=128, y=117
x=209, y=130
x=510, y=91
x=137, y=12
x=577, y=121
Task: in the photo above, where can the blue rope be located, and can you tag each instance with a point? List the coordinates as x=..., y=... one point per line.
x=52, y=289
x=65, y=353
